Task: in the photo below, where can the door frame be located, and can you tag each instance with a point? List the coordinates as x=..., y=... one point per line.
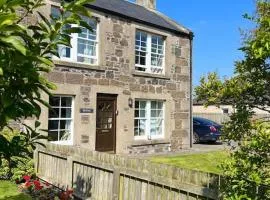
x=108, y=96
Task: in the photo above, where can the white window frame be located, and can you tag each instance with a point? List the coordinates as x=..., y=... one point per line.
x=148, y=66
x=65, y=142
x=148, y=117
x=74, y=48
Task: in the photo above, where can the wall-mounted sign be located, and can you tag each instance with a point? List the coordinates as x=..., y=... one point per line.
x=86, y=110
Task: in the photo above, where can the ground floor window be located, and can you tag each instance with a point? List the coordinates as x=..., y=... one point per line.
x=149, y=119
x=60, y=119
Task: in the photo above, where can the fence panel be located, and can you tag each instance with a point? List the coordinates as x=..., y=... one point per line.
x=101, y=176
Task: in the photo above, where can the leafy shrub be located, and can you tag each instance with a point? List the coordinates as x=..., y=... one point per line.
x=23, y=166
x=247, y=172
x=15, y=155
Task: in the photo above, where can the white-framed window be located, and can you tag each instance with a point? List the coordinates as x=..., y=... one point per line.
x=149, y=53
x=60, y=126
x=149, y=119
x=84, y=45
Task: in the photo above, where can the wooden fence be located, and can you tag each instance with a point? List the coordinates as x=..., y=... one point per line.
x=101, y=176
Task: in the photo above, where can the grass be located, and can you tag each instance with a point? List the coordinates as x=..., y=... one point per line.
x=10, y=191
x=207, y=162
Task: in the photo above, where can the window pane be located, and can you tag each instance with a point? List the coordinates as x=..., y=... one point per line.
x=142, y=104
x=153, y=104
x=142, y=113
x=53, y=125
x=159, y=113
x=154, y=39
x=66, y=113
x=54, y=113
x=137, y=103
x=153, y=113
x=143, y=37
x=142, y=127
x=66, y=101
x=65, y=135
x=136, y=131
x=65, y=124
x=160, y=105
x=53, y=136
x=137, y=113
x=54, y=101
x=142, y=61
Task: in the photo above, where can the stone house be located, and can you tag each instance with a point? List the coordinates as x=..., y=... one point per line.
x=126, y=86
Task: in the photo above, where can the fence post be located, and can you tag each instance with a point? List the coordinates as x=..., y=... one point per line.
x=116, y=181
x=36, y=161
x=69, y=172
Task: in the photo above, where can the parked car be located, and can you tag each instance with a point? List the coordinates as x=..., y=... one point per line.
x=205, y=130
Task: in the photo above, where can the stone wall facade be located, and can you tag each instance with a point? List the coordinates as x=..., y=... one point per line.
x=115, y=74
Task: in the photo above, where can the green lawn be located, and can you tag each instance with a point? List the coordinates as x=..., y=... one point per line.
x=9, y=191
x=207, y=162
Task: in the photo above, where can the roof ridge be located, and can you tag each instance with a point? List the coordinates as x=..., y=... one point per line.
x=139, y=13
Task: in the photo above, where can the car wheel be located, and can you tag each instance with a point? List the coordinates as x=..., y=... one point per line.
x=196, y=138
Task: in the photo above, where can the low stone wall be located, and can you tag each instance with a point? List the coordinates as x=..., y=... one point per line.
x=95, y=175
x=149, y=148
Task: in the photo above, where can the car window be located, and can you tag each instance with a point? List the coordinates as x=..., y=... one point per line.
x=204, y=121
x=196, y=122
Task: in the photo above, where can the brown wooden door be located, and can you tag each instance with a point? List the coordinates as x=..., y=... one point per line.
x=106, y=122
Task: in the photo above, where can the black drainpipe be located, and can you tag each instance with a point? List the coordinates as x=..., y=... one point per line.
x=191, y=90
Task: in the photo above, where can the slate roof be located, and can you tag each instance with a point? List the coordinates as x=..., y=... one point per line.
x=139, y=14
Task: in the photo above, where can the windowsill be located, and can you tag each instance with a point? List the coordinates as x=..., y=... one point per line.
x=64, y=143
x=78, y=65
x=145, y=74
x=142, y=142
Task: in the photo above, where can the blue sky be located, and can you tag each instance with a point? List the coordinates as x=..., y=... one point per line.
x=216, y=27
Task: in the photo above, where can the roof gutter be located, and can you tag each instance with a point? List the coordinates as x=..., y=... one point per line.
x=189, y=35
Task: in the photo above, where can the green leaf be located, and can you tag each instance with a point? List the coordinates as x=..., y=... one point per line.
x=1, y=71
x=86, y=25
x=7, y=19
x=37, y=124
x=14, y=42
x=14, y=3
x=46, y=61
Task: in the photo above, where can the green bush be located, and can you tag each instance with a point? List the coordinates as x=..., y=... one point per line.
x=24, y=166
x=15, y=155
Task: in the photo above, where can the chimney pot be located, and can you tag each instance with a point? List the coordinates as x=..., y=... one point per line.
x=151, y=4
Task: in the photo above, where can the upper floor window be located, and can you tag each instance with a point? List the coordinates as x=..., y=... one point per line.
x=149, y=53
x=84, y=45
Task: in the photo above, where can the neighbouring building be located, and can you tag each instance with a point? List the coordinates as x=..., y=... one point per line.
x=222, y=113
x=126, y=86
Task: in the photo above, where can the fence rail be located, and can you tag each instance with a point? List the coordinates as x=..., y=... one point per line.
x=101, y=176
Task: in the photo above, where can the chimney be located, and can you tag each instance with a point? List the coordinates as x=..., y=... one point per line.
x=151, y=4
